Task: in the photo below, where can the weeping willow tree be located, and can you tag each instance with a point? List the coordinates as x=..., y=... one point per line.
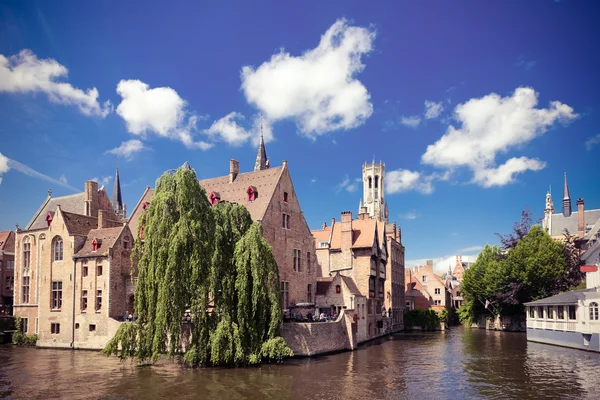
x=212, y=261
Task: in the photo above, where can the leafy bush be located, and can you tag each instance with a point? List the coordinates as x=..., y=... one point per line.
x=426, y=319
x=275, y=349
x=21, y=339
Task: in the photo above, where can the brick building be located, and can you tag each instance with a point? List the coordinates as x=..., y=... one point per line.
x=269, y=195
x=435, y=292
x=7, y=269
x=73, y=270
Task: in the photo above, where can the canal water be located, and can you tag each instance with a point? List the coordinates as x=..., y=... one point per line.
x=458, y=364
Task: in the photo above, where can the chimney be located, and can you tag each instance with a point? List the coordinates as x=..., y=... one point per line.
x=580, y=217
x=91, y=199
x=234, y=169
x=346, y=229
x=430, y=264
x=101, y=219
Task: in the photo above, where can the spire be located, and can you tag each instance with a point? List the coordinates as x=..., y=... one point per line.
x=117, y=201
x=261, y=157
x=566, y=199
x=360, y=206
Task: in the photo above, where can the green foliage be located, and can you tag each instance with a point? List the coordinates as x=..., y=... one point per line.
x=21, y=339
x=426, y=319
x=275, y=349
x=443, y=315
x=212, y=261
x=534, y=268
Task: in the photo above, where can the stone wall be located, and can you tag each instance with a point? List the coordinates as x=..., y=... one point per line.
x=309, y=339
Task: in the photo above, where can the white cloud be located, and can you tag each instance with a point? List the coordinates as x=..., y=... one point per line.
x=3, y=166
x=404, y=180
x=159, y=110
x=7, y=164
x=25, y=73
x=313, y=180
x=103, y=181
x=494, y=125
x=432, y=109
x=412, y=121
x=228, y=129
x=591, y=142
x=470, y=249
x=348, y=184
x=63, y=179
x=506, y=173
x=127, y=149
x=408, y=215
x=318, y=89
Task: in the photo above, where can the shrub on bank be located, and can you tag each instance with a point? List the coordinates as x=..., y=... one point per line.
x=426, y=319
x=21, y=339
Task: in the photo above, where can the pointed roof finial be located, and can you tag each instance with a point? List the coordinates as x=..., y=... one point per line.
x=566, y=199
x=566, y=194
x=49, y=192
x=117, y=199
x=261, y=157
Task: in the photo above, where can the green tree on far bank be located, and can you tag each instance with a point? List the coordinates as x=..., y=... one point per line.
x=211, y=262
x=529, y=266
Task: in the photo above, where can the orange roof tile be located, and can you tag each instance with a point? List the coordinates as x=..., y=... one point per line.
x=4, y=239
x=322, y=234
x=107, y=236
x=363, y=234
x=79, y=224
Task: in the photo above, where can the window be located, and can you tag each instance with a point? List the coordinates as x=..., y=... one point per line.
x=285, y=196
x=126, y=243
x=84, y=270
x=309, y=293
x=24, y=325
x=296, y=260
x=285, y=222
x=94, y=245
x=323, y=244
x=560, y=312
x=376, y=182
x=308, y=261
x=437, y=302
x=77, y=325
x=25, y=290
x=338, y=289
x=594, y=311
x=284, y=290
x=531, y=312
x=92, y=327
x=99, y=270
x=56, y=295
x=252, y=193
x=550, y=312
x=438, y=291
x=370, y=183
x=84, y=300
x=10, y=283
x=26, y=253
x=99, y=300
x=541, y=312
x=54, y=328
x=424, y=278
x=572, y=312
x=371, y=287
x=58, y=250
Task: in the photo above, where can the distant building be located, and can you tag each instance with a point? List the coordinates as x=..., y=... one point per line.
x=269, y=195
x=434, y=292
x=7, y=271
x=73, y=271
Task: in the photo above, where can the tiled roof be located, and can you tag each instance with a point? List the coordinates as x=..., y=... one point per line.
x=351, y=285
x=560, y=222
x=363, y=234
x=78, y=224
x=4, y=238
x=73, y=203
x=563, y=298
x=322, y=234
x=264, y=181
x=107, y=236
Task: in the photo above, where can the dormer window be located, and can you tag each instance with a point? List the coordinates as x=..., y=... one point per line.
x=145, y=206
x=96, y=244
x=285, y=197
x=214, y=198
x=49, y=218
x=252, y=193
x=338, y=289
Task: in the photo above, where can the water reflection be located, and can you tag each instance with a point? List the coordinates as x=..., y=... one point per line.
x=456, y=364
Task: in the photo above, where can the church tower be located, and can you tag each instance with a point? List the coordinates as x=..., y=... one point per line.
x=566, y=203
x=117, y=200
x=373, y=177
x=548, y=211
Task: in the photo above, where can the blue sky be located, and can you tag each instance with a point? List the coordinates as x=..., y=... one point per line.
x=476, y=108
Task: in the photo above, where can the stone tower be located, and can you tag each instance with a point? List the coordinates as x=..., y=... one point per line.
x=566, y=203
x=548, y=211
x=373, y=184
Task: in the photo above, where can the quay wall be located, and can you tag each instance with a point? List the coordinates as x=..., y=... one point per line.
x=576, y=340
x=309, y=339
x=513, y=323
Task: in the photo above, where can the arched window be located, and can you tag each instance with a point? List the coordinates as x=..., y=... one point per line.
x=594, y=311
x=376, y=181
x=370, y=183
x=58, y=249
